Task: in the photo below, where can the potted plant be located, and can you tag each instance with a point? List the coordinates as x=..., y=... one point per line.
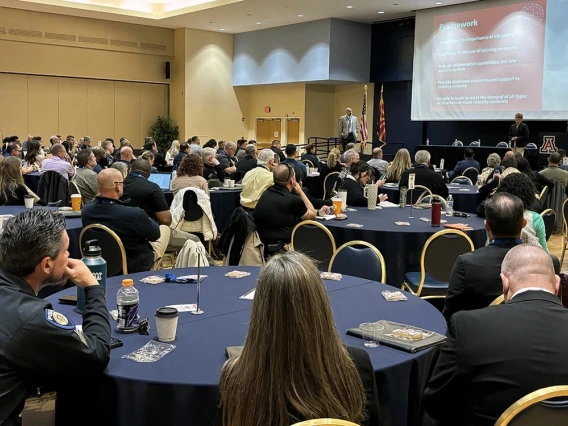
x=164, y=131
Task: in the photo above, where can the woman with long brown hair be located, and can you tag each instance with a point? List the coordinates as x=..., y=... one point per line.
x=293, y=366
x=34, y=156
x=190, y=174
x=399, y=165
x=12, y=187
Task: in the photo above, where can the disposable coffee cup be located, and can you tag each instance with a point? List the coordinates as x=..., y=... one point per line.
x=166, y=323
x=76, y=202
x=226, y=183
x=231, y=183
x=29, y=201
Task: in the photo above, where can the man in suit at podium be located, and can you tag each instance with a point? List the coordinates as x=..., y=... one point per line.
x=348, y=128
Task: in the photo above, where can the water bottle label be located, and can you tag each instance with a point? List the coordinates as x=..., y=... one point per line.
x=127, y=316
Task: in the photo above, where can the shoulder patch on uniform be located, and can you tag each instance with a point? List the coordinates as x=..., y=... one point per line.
x=58, y=320
x=81, y=337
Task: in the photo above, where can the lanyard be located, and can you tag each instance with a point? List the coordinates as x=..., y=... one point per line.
x=506, y=241
x=136, y=174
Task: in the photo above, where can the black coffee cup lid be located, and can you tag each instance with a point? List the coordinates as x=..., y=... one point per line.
x=166, y=312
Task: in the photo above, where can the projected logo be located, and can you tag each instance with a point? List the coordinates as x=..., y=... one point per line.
x=548, y=145
x=532, y=15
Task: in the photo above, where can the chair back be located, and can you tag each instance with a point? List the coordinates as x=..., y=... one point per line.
x=543, y=194
x=471, y=173
x=475, y=143
x=549, y=219
x=52, y=187
x=420, y=191
x=325, y=422
x=498, y=301
x=462, y=180
x=532, y=146
x=315, y=240
x=365, y=261
x=111, y=246
x=307, y=163
x=74, y=189
x=546, y=406
x=440, y=253
x=426, y=198
x=457, y=143
x=193, y=211
x=502, y=145
x=329, y=183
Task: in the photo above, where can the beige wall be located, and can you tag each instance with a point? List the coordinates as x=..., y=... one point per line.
x=46, y=106
x=320, y=108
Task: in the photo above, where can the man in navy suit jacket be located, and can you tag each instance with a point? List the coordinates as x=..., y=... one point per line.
x=465, y=164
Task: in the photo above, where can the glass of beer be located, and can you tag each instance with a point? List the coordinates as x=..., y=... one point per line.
x=336, y=205
x=76, y=202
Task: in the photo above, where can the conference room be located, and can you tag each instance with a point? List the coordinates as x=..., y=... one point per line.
x=293, y=213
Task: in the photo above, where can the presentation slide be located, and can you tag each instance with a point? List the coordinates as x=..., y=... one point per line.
x=490, y=62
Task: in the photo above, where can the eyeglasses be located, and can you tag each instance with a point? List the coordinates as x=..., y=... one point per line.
x=290, y=169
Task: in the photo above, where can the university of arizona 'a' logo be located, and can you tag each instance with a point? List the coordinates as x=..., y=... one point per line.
x=548, y=145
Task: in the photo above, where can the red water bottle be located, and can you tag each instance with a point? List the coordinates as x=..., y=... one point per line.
x=436, y=213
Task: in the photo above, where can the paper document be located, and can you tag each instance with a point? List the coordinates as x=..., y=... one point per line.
x=184, y=308
x=388, y=204
x=249, y=295
x=326, y=217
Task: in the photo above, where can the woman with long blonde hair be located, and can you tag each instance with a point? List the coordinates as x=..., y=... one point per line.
x=399, y=165
x=332, y=165
x=172, y=152
x=293, y=366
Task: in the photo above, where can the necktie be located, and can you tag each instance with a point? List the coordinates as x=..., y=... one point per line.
x=349, y=126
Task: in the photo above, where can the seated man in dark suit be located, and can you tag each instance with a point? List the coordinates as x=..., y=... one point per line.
x=465, y=164
x=424, y=176
x=475, y=280
x=496, y=355
x=249, y=161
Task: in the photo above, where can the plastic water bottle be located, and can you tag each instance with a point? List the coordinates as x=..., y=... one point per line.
x=450, y=206
x=427, y=141
x=127, y=300
x=402, y=201
x=92, y=258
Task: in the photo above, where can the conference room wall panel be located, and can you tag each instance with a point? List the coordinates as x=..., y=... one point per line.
x=73, y=116
x=14, y=105
x=100, y=110
x=43, y=105
x=127, y=107
x=349, y=51
x=153, y=102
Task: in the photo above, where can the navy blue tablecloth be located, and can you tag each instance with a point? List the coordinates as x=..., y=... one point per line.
x=465, y=196
x=401, y=246
x=223, y=204
x=32, y=180
x=182, y=388
x=314, y=187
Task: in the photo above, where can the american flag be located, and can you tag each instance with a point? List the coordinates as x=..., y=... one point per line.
x=382, y=123
x=364, y=131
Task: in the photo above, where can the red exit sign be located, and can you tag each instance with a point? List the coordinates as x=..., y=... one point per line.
x=267, y=109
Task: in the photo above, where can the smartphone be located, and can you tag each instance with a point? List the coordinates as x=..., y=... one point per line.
x=115, y=343
x=70, y=299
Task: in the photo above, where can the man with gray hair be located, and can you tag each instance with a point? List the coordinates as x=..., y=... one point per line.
x=86, y=142
x=258, y=179
x=227, y=158
x=212, y=168
x=351, y=157
x=378, y=163
x=496, y=355
x=249, y=161
x=424, y=176
x=58, y=162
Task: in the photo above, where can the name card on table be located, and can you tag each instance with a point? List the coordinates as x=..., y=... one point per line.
x=442, y=164
x=411, y=180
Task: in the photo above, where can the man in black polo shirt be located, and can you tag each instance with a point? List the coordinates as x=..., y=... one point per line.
x=278, y=210
x=249, y=161
x=143, y=239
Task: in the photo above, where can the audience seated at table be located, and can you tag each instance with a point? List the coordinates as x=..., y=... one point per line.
x=101, y=159
x=424, y=176
x=149, y=157
x=399, y=165
x=211, y=143
x=332, y=165
x=521, y=185
x=227, y=158
x=475, y=279
x=248, y=161
x=159, y=161
x=241, y=146
x=497, y=355
x=378, y=164
x=13, y=149
x=123, y=142
x=58, y=162
x=351, y=157
x=310, y=155
x=85, y=178
x=553, y=171
x=508, y=167
x=212, y=168
x=360, y=174
x=108, y=148
x=465, y=164
x=220, y=147
x=123, y=168
x=493, y=160
x=291, y=159
x=278, y=210
x=258, y=179
x=12, y=187
x=194, y=145
x=190, y=174
x=309, y=373
x=144, y=241
x=183, y=151
x=126, y=155
x=172, y=152
x=34, y=157
x=276, y=145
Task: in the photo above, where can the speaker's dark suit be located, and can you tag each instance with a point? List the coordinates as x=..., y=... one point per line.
x=522, y=134
x=495, y=356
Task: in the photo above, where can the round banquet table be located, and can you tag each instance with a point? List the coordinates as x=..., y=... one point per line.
x=223, y=204
x=182, y=388
x=465, y=196
x=401, y=246
x=312, y=182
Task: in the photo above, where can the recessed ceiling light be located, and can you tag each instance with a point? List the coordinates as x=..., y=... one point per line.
x=300, y=16
x=349, y=7
x=259, y=23
x=439, y=3
x=221, y=29
x=381, y=11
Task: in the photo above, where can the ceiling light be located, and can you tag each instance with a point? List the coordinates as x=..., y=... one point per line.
x=221, y=29
x=349, y=7
x=259, y=23
x=300, y=16
x=439, y=3
x=380, y=11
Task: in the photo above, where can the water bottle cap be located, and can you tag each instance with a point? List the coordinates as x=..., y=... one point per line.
x=128, y=282
x=91, y=248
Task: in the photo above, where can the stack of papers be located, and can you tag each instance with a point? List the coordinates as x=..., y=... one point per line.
x=388, y=204
x=249, y=295
x=326, y=217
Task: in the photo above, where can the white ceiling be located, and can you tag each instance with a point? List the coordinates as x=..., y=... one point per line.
x=234, y=16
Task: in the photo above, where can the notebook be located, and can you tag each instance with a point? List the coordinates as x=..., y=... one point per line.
x=161, y=179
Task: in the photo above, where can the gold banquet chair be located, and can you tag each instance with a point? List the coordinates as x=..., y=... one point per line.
x=111, y=246
x=537, y=408
x=328, y=184
x=549, y=219
x=438, y=257
x=363, y=262
x=325, y=422
x=314, y=240
x=498, y=301
x=416, y=194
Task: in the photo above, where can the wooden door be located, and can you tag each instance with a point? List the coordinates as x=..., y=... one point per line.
x=268, y=130
x=293, y=130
